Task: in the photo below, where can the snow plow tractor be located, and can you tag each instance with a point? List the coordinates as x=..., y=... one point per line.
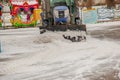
x=62, y=15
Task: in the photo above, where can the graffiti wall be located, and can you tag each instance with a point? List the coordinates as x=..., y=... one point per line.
x=100, y=14
x=1, y=7
x=105, y=14
x=89, y=16
x=117, y=14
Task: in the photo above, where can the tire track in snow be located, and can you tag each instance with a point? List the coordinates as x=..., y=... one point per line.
x=64, y=71
x=55, y=72
x=29, y=58
x=32, y=58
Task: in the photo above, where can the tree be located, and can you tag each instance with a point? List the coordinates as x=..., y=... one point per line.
x=110, y=3
x=89, y=4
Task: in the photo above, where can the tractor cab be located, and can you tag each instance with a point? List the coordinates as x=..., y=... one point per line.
x=61, y=15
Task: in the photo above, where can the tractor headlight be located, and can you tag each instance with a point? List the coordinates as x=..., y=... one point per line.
x=66, y=13
x=56, y=13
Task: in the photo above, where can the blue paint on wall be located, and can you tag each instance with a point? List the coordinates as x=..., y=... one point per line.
x=89, y=16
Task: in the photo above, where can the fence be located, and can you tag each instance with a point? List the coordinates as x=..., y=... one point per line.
x=100, y=14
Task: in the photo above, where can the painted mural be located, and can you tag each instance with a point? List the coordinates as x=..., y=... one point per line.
x=89, y=16
x=22, y=12
x=100, y=14
x=105, y=14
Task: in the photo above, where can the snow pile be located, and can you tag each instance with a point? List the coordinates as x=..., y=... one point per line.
x=30, y=56
x=77, y=59
x=105, y=25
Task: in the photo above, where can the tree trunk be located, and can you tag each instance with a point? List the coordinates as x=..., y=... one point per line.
x=110, y=3
x=89, y=4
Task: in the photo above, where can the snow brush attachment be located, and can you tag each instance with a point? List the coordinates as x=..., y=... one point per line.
x=72, y=32
x=75, y=36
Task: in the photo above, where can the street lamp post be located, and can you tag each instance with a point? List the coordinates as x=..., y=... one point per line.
x=81, y=16
x=80, y=11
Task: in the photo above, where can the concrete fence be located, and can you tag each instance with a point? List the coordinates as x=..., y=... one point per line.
x=100, y=14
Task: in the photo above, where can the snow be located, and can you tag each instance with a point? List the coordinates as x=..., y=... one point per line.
x=22, y=2
x=103, y=25
x=48, y=56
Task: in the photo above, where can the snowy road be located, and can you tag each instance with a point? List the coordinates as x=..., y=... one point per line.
x=112, y=33
x=29, y=56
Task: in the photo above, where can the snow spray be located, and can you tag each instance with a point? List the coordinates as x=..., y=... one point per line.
x=0, y=47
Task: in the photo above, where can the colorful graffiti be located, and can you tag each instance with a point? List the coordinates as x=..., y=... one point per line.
x=100, y=14
x=117, y=14
x=105, y=14
x=22, y=12
x=89, y=16
x=23, y=20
